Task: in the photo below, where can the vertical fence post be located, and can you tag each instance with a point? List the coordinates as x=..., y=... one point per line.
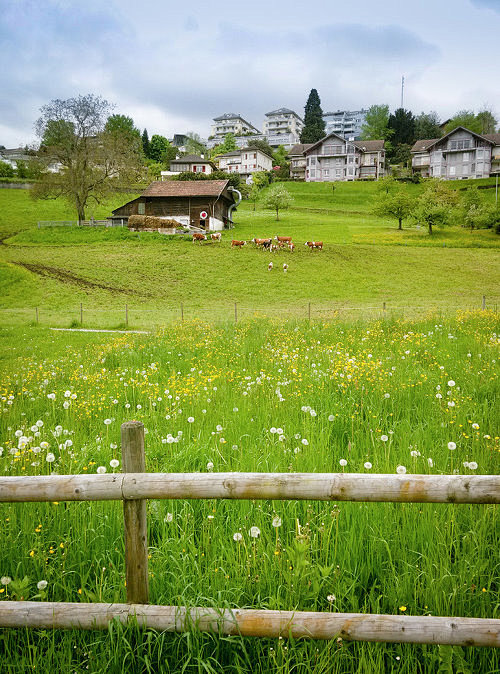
x=81, y=313
x=134, y=514
x=309, y=311
x=383, y=306
x=182, y=312
x=235, y=312
x=484, y=302
x=36, y=313
x=126, y=315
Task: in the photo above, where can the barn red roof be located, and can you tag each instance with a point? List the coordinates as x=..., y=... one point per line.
x=185, y=188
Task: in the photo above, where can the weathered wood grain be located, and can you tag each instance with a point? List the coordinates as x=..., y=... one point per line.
x=312, y=486
x=134, y=516
x=257, y=623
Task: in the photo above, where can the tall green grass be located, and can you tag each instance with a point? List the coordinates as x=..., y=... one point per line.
x=259, y=396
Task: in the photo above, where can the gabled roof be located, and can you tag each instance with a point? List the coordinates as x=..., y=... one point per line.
x=363, y=145
x=368, y=145
x=231, y=115
x=191, y=159
x=421, y=145
x=300, y=148
x=186, y=188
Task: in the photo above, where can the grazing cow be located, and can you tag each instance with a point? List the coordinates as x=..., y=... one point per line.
x=217, y=236
x=285, y=267
x=237, y=244
x=283, y=239
x=270, y=266
x=291, y=246
x=198, y=236
x=265, y=243
x=314, y=244
x=273, y=248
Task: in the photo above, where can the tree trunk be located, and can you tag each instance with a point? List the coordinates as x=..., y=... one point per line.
x=430, y=227
x=277, y=214
x=400, y=221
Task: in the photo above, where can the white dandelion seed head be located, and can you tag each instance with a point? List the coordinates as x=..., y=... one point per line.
x=305, y=441
x=42, y=584
x=331, y=598
x=190, y=420
x=168, y=517
x=210, y=466
x=331, y=417
x=114, y=463
x=384, y=438
x=276, y=522
x=50, y=458
x=472, y=465
x=237, y=536
x=451, y=383
x=101, y=470
x=452, y=445
x=254, y=532
x=368, y=465
x=401, y=470
x=343, y=462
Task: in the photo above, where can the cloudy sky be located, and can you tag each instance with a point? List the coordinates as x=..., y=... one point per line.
x=173, y=66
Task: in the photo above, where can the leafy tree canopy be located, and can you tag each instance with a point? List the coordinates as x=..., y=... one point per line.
x=465, y=118
x=314, y=124
x=487, y=121
x=228, y=145
x=395, y=203
x=160, y=149
x=427, y=126
x=194, y=144
x=261, y=145
x=278, y=198
x=6, y=170
x=376, y=123
x=91, y=160
x=435, y=204
x=122, y=124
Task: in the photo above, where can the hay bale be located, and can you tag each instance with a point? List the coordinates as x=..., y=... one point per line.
x=137, y=221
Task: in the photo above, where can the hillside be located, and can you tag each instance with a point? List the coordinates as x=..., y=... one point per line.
x=365, y=262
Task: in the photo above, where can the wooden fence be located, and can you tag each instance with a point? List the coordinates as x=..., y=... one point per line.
x=134, y=486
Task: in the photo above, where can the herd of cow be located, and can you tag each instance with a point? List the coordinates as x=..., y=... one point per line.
x=265, y=244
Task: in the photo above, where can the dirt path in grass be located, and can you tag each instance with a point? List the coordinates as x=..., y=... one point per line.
x=65, y=276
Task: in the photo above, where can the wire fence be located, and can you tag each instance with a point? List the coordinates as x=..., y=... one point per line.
x=124, y=316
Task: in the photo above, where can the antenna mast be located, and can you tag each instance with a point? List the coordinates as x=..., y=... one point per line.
x=402, y=89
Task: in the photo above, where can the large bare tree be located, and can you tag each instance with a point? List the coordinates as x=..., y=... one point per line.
x=82, y=159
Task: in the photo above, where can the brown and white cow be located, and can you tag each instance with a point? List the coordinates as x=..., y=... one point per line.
x=237, y=244
x=291, y=246
x=217, y=236
x=314, y=244
x=283, y=239
x=198, y=236
x=265, y=243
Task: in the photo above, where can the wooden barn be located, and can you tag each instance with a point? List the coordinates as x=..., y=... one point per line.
x=204, y=204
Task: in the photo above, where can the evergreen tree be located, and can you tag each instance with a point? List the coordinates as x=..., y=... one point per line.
x=145, y=143
x=314, y=124
x=402, y=122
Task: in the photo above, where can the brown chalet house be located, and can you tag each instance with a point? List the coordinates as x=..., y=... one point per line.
x=205, y=204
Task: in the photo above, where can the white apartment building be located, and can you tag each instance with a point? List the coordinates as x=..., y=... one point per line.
x=459, y=155
x=282, y=127
x=245, y=161
x=345, y=123
x=230, y=123
x=334, y=158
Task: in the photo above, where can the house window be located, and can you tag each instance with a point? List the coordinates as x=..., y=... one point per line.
x=452, y=170
x=326, y=173
x=465, y=156
x=141, y=208
x=313, y=173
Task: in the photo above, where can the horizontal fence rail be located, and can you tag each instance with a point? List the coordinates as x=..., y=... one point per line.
x=279, y=486
x=135, y=486
x=256, y=623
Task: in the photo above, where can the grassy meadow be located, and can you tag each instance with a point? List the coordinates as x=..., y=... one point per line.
x=366, y=261
x=355, y=389
x=382, y=396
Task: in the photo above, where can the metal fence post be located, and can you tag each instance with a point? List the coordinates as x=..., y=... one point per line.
x=134, y=514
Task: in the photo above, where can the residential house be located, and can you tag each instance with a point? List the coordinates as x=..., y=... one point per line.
x=345, y=123
x=298, y=161
x=334, y=158
x=458, y=155
x=245, y=161
x=192, y=162
x=282, y=127
x=184, y=201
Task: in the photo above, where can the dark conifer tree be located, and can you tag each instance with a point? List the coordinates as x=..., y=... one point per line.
x=145, y=143
x=314, y=124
